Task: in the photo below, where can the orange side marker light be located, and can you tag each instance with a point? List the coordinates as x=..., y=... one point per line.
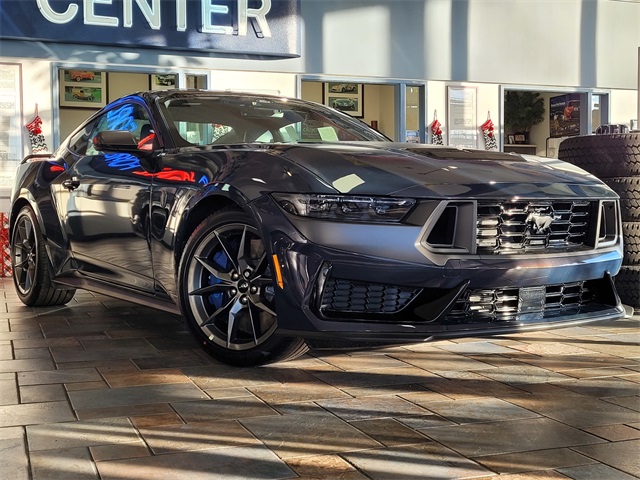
x=278, y=271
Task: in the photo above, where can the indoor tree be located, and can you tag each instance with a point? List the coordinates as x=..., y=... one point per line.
x=522, y=110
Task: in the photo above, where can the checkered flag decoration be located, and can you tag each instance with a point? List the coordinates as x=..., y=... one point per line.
x=436, y=130
x=490, y=142
x=38, y=143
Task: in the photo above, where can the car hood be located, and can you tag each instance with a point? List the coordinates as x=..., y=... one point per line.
x=422, y=171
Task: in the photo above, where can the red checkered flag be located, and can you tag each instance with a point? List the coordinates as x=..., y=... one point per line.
x=490, y=142
x=36, y=137
x=436, y=130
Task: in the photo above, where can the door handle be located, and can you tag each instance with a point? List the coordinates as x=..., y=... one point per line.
x=71, y=184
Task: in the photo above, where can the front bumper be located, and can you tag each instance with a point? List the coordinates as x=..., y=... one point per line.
x=382, y=289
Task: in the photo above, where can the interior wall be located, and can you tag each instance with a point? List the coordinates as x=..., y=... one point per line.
x=311, y=91
x=387, y=102
x=487, y=103
x=70, y=118
x=284, y=84
x=373, y=110
x=622, y=106
x=378, y=104
x=120, y=84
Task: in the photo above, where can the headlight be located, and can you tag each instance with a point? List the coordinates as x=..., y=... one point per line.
x=345, y=208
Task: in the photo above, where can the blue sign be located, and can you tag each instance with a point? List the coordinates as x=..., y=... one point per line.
x=256, y=27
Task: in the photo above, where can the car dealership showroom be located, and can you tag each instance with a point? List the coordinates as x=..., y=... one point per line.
x=319, y=239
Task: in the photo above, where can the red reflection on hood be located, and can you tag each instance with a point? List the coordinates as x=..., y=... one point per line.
x=171, y=174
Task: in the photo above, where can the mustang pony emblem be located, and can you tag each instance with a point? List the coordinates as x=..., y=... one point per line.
x=539, y=223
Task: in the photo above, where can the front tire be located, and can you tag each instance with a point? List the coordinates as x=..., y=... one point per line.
x=30, y=264
x=227, y=294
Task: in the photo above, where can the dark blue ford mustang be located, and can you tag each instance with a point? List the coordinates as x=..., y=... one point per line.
x=273, y=223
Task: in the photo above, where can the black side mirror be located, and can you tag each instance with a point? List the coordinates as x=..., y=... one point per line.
x=120, y=141
x=117, y=140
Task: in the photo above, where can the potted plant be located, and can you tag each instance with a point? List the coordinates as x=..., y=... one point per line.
x=522, y=110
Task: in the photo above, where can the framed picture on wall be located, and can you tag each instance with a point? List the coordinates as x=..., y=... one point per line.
x=11, y=140
x=346, y=97
x=83, y=88
x=162, y=81
x=462, y=123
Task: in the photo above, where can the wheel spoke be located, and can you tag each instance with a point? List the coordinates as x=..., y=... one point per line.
x=20, y=273
x=211, y=268
x=28, y=231
x=232, y=326
x=261, y=266
x=22, y=261
x=242, y=263
x=214, y=315
x=217, y=288
x=226, y=251
x=30, y=271
x=264, y=307
x=25, y=252
x=253, y=324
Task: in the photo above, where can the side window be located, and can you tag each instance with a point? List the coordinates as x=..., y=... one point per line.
x=131, y=117
x=80, y=141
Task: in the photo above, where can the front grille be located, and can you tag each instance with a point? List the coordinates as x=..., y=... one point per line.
x=532, y=226
x=345, y=297
x=503, y=304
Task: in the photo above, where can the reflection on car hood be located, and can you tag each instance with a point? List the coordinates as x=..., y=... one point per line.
x=422, y=171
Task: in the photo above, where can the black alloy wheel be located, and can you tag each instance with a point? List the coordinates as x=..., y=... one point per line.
x=227, y=292
x=29, y=263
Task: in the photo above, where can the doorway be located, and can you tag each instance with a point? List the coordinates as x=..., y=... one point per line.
x=537, y=121
x=394, y=109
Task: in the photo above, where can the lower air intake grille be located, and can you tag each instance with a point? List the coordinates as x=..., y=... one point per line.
x=503, y=304
x=529, y=226
x=345, y=296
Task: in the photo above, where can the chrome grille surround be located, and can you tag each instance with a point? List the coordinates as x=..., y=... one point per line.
x=504, y=304
x=527, y=226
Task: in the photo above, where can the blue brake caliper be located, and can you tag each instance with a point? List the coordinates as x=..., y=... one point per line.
x=222, y=260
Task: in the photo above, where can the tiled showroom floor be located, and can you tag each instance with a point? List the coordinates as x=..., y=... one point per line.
x=106, y=389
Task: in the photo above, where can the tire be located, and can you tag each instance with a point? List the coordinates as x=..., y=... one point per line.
x=629, y=190
x=628, y=285
x=227, y=292
x=631, y=237
x=604, y=156
x=30, y=265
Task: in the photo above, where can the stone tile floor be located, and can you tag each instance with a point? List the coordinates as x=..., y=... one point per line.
x=104, y=389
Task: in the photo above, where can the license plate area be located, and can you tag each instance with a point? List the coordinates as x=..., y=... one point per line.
x=531, y=299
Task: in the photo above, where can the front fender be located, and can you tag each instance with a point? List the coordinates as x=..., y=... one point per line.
x=33, y=189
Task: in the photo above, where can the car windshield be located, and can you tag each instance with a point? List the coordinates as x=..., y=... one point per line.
x=228, y=119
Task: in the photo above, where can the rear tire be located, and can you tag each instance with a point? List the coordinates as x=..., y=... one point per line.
x=629, y=190
x=227, y=293
x=628, y=285
x=30, y=265
x=631, y=236
x=605, y=156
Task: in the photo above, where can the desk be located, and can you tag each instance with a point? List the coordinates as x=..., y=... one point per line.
x=521, y=148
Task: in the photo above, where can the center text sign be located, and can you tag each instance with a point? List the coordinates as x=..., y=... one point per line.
x=258, y=27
